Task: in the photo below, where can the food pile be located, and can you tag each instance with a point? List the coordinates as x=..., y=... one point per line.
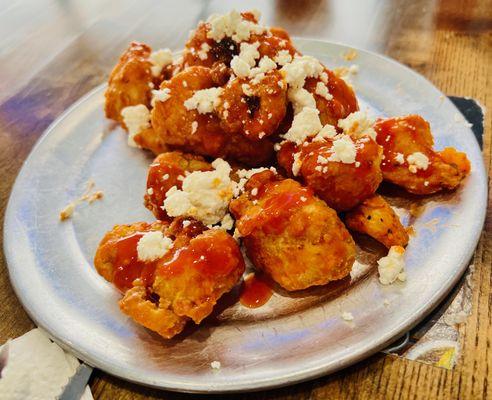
x=260, y=146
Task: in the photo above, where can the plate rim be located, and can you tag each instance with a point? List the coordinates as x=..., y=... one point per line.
x=300, y=375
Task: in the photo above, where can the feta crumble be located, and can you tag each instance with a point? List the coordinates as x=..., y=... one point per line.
x=215, y=364
x=205, y=195
x=159, y=60
x=322, y=90
x=152, y=246
x=399, y=158
x=283, y=57
x=297, y=164
x=392, y=267
x=204, y=101
x=347, y=316
x=358, y=124
x=417, y=161
x=136, y=119
x=194, y=127
x=305, y=124
x=343, y=150
x=232, y=25
x=203, y=52
x=161, y=95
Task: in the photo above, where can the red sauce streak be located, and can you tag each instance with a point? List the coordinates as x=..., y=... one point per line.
x=255, y=292
x=211, y=256
x=275, y=211
x=128, y=267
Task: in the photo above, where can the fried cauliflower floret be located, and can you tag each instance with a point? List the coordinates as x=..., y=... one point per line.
x=338, y=104
x=291, y=234
x=411, y=162
x=177, y=275
x=128, y=83
x=254, y=109
x=166, y=171
x=185, y=128
x=375, y=217
x=341, y=182
x=201, y=50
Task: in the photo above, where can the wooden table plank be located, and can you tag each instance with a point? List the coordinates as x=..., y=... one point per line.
x=53, y=52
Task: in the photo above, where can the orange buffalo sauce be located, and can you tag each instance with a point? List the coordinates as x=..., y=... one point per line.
x=128, y=267
x=277, y=203
x=215, y=255
x=255, y=291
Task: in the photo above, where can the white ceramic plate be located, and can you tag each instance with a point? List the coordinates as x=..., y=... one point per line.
x=291, y=338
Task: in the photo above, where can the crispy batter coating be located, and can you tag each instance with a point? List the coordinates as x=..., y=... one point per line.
x=128, y=83
x=340, y=106
x=375, y=217
x=253, y=109
x=166, y=171
x=402, y=137
x=342, y=186
x=183, y=285
x=291, y=234
x=187, y=130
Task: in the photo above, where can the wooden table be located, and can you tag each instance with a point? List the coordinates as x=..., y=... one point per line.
x=52, y=52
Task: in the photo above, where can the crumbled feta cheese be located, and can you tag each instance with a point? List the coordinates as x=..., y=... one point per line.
x=240, y=67
x=249, y=53
x=322, y=90
x=185, y=84
x=347, y=316
x=327, y=132
x=159, y=60
x=136, y=119
x=305, y=124
x=232, y=25
x=150, y=191
x=265, y=65
x=205, y=195
x=165, y=177
x=358, y=124
x=256, y=14
x=392, y=267
x=185, y=223
x=343, y=150
x=194, y=127
x=297, y=164
x=300, y=98
x=417, y=161
x=204, y=101
x=152, y=246
x=215, y=364
x=301, y=67
x=247, y=89
x=324, y=77
x=254, y=191
x=399, y=158
x=203, y=52
x=227, y=222
x=160, y=95
x=321, y=160
x=283, y=57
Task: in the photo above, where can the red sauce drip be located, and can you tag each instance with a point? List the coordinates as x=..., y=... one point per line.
x=212, y=256
x=275, y=212
x=128, y=268
x=255, y=292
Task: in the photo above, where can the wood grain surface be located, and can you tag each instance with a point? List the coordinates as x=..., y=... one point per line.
x=54, y=51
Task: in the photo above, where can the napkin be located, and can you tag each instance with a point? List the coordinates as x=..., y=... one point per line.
x=33, y=367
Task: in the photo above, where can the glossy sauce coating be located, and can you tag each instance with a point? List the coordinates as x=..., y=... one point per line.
x=128, y=267
x=275, y=207
x=256, y=291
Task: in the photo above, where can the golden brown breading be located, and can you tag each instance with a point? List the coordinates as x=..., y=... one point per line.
x=184, y=284
x=291, y=234
x=166, y=171
x=253, y=109
x=188, y=130
x=375, y=217
x=129, y=81
x=402, y=137
x=342, y=186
